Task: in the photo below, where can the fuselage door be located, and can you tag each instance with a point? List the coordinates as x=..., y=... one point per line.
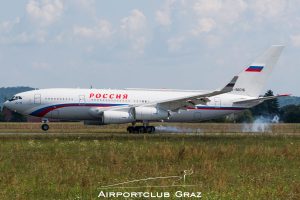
x=37, y=99
x=81, y=99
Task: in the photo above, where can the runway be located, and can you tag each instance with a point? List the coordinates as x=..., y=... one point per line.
x=164, y=130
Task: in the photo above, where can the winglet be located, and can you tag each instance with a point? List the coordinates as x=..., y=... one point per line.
x=229, y=87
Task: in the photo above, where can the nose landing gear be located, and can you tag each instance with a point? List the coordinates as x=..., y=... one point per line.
x=45, y=127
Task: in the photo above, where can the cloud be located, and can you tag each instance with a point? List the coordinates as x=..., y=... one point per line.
x=225, y=11
x=45, y=12
x=38, y=36
x=87, y=6
x=207, y=7
x=134, y=28
x=102, y=30
x=175, y=43
x=163, y=18
x=269, y=8
x=212, y=40
x=204, y=25
x=221, y=16
x=139, y=44
x=133, y=24
x=163, y=15
x=295, y=40
x=7, y=26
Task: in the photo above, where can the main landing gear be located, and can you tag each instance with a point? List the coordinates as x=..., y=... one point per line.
x=141, y=129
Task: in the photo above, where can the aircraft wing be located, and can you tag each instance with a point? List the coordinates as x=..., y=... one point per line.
x=191, y=101
x=253, y=102
x=180, y=103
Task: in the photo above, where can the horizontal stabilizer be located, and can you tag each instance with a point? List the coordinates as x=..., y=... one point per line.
x=254, y=102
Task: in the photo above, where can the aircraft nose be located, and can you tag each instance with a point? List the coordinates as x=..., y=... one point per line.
x=2, y=106
x=6, y=105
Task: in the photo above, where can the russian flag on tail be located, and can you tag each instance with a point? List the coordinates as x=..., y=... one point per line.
x=254, y=69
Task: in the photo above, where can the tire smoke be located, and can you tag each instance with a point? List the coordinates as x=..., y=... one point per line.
x=260, y=124
x=174, y=129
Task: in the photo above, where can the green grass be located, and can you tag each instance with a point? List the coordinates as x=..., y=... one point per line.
x=75, y=166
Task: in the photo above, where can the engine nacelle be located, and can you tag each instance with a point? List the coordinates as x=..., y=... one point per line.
x=150, y=113
x=117, y=117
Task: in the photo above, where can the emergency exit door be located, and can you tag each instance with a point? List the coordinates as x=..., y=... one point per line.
x=37, y=99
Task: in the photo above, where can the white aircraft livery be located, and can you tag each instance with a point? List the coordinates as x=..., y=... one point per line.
x=110, y=106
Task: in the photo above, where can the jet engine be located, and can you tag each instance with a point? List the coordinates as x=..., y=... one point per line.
x=111, y=117
x=150, y=113
x=116, y=117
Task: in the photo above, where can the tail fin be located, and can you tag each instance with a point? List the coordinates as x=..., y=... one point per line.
x=252, y=80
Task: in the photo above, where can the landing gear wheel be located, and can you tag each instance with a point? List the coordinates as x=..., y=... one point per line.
x=130, y=129
x=152, y=129
x=45, y=127
x=141, y=129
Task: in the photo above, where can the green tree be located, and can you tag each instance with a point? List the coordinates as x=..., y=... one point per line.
x=243, y=117
x=16, y=117
x=2, y=118
x=267, y=108
x=291, y=114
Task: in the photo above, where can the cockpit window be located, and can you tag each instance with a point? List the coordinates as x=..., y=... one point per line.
x=12, y=99
x=15, y=98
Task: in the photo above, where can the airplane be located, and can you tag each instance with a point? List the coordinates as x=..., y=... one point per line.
x=111, y=106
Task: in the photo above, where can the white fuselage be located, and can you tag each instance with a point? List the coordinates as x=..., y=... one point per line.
x=86, y=104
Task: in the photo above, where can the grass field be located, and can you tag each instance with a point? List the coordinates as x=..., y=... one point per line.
x=76, y=165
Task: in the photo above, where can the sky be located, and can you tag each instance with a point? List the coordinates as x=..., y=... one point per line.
x=182, y=44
